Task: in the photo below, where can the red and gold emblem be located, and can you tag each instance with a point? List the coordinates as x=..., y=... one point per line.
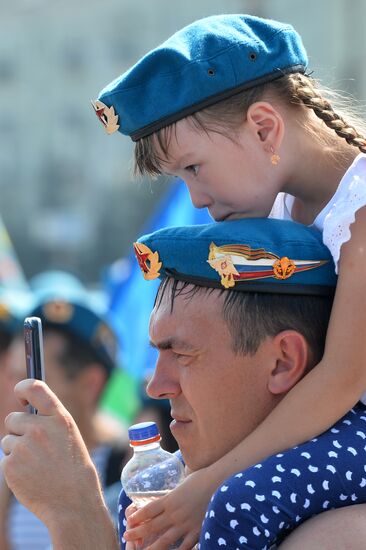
x=283, y=268
x=225, y=268
x=239, y=262
x=106, y=115
x=148, y=261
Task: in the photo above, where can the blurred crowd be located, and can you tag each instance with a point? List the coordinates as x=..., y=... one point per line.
x=83, y=367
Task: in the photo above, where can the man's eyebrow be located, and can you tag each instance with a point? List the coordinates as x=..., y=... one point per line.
x=171, y=343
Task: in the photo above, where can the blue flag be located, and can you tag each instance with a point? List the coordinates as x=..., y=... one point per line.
x=132, y=300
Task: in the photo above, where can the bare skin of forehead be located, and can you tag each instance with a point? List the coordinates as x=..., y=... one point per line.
x=190, y=296
x=188, y=325
x=168, y=142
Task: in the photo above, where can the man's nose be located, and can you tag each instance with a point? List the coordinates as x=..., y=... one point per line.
x=164, y=383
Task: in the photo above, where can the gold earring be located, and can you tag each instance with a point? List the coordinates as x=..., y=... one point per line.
x=275, y=159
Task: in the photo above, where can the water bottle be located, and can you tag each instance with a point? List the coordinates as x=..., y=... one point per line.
x=152, y=472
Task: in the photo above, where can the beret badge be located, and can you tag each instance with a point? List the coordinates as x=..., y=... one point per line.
x=283, y=268
x=58, y=311
x=241, y=262
x=106, y=115
x=148, y=261
x=4, y=312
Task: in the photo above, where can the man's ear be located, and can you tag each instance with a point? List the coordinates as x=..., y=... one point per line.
x=292, y=352
x=267, y=123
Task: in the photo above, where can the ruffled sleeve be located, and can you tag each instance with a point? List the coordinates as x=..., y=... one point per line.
x=342, y=214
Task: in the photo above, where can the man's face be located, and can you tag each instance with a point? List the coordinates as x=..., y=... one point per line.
x=217, y=397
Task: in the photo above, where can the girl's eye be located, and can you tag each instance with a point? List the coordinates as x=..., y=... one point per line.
x=193, y=168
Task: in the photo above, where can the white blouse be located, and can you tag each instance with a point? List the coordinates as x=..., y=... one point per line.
x=335, y=219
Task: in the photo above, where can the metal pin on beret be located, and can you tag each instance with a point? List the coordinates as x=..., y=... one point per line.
x=203, y=63
x=248, y=255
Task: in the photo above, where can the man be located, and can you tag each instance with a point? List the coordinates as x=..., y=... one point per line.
x=222, y=374
x=79, y=353
x=224, y=378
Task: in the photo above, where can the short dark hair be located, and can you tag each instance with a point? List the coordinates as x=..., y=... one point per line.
x=252, y=316
x=76, y=354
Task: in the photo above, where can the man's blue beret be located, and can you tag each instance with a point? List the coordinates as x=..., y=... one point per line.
x=248, y=255
x=205, y=62
x=61, y=301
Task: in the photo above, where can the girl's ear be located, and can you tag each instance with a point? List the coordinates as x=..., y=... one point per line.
x=292, y=353
x=267, y=123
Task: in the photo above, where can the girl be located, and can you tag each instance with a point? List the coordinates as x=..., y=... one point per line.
x=225, y=104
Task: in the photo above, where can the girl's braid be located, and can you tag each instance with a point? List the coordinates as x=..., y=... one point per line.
x=305, y=91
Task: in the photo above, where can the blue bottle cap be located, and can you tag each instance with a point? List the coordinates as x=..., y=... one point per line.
x=144, y=432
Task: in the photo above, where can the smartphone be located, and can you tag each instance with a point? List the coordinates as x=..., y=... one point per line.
x=33, y=340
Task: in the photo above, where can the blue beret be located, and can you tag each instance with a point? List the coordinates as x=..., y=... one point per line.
x=248, y=255
x=61, y=301
x=205, y=62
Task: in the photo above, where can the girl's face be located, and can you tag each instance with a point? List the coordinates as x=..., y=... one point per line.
x=230, y=178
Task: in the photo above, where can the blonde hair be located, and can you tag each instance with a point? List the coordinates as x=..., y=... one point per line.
x=297, y=90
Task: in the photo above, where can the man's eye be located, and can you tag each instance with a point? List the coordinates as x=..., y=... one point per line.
x=193, y=168
x=182, y=358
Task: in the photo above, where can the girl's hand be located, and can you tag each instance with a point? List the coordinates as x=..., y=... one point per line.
x=177, y=516
x=131, y=509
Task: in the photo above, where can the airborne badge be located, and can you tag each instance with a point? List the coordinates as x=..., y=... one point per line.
x=4, y=312
x=148, y=261
x=283, y=268
x=238, y=262
x=106, y=115
x=58, y=311
x=226, y=269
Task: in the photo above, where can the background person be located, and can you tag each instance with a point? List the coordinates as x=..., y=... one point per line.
x=79, y=355
x=13, y=305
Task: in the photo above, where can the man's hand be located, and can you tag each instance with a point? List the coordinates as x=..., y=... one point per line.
x=49, y=470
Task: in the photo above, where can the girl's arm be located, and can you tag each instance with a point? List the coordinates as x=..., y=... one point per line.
x=312, y=406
